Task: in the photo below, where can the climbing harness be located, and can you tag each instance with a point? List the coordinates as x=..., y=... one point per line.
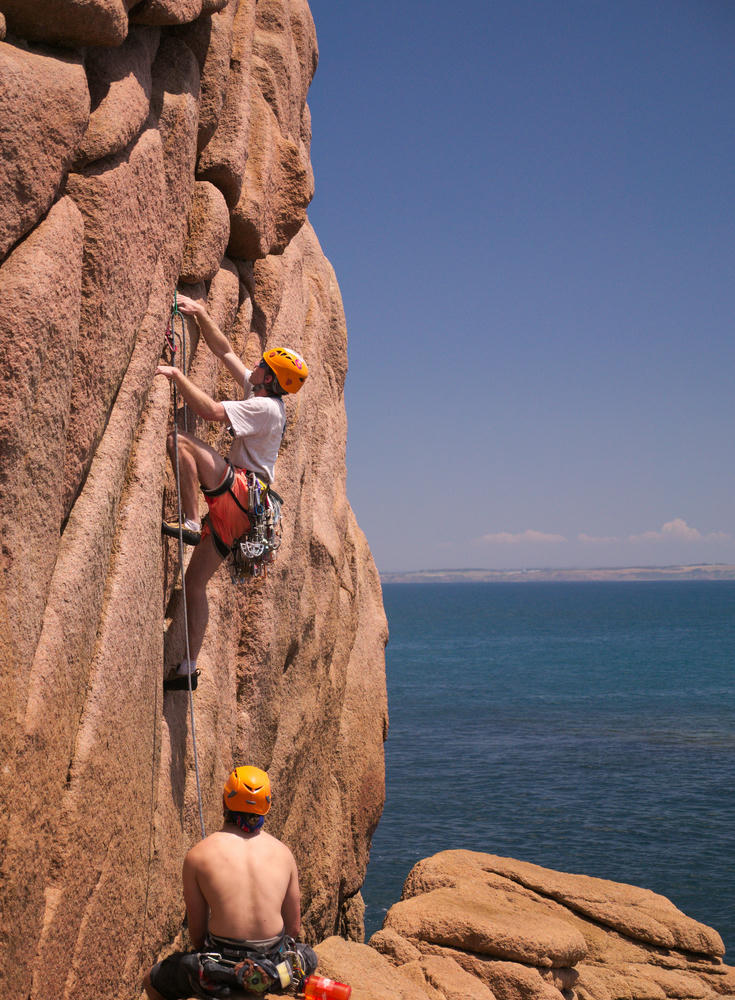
x=171, y=337
x=247, y=970
x=251, y=554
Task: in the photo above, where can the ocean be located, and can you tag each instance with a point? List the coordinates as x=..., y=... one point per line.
x=585, y=727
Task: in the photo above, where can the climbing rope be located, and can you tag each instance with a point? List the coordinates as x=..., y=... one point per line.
x=171, y=337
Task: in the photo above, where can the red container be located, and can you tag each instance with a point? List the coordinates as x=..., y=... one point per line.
x=321, y=988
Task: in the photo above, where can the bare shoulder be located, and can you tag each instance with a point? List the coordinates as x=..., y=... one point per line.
x=203, y=849
x=276, y=846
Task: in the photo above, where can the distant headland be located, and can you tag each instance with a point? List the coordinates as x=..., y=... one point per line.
x=700, y=571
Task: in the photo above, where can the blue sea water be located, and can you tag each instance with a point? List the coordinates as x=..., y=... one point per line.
x=586, y=727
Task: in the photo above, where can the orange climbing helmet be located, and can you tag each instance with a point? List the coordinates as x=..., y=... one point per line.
x=247, y=790
x=288, y=366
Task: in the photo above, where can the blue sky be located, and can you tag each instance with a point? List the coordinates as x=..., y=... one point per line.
x=530, y=209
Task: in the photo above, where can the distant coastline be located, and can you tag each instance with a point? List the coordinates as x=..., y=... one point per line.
x=700, y=571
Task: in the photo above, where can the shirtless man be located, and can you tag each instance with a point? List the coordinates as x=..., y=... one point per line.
x=241, y=890
x=257, y=422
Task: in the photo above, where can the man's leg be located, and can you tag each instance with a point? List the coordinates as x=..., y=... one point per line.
x=205, y=560
x=198, y=463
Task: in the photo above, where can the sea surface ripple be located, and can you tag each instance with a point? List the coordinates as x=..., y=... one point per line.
x=586, y=727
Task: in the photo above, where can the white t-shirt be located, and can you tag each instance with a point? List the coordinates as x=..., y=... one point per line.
x=258, y=423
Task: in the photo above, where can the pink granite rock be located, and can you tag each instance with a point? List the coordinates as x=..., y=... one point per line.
x=39, y=325
x=477, y=908
x=223, y=157
x=452, y=982
x=69, y=22
x=371, y=976
x=208, y=234
x=120, y=91
x=214, y=6
x=215, y=71
x=277, y=188
x=99, y=798
x=394, y=946
x=123, y=205
x=481, y=919
x=172, y=12
x=45, y=105
x=278, y=183
x=163, y=12
x=636, y=913
x=134, y=207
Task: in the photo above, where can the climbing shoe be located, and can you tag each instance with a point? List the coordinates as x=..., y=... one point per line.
x=190, y=535
x=180, y=682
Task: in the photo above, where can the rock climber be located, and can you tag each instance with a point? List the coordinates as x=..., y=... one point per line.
x=257, y=423
x=241, y=889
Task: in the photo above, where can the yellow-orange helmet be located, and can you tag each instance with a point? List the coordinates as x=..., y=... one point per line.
x=289, y=367
x=247, y=790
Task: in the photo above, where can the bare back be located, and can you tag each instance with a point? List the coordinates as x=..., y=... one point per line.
x=248, y=881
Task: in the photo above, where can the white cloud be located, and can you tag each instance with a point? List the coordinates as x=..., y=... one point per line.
x=596, y=540
x=529, y=535
x=679, y=530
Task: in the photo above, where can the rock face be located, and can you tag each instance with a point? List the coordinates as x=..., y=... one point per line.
x=476, y=925
x=132, y=158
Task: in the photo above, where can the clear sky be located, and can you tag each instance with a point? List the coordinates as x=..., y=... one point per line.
x=530, y=207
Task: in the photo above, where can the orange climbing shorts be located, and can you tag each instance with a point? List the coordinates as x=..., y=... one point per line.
x=226, y=522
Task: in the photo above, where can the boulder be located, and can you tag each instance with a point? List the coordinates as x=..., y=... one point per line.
x=69, y=22
x=45, y=104
x=223, y=157
x=369, y=974
x=398, y=949
x=278, y=186
x=527, y=931
x=278, y=182
x=166, y=12
x=170, y=12
x=208, y=234
x=478, y=918
x=120, y=91
x=452, y=982
x=215, y=71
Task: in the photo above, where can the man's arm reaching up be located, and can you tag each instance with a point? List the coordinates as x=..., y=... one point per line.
x=216, y=341
x=196, y=398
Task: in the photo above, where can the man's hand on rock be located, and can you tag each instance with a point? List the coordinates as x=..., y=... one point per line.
x=190, y=307
x=169, y=371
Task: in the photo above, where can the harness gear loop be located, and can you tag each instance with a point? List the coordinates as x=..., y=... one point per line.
x=171, y=339
x=252, y=553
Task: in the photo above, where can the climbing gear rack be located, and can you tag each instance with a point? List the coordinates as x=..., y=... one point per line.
x=251, y=554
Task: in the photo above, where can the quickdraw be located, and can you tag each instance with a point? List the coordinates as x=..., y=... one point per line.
x=252, y=553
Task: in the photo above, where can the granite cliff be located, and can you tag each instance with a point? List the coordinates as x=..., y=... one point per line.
x=144, y=146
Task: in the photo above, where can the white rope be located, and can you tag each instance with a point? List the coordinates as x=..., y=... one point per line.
x=181, y=561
